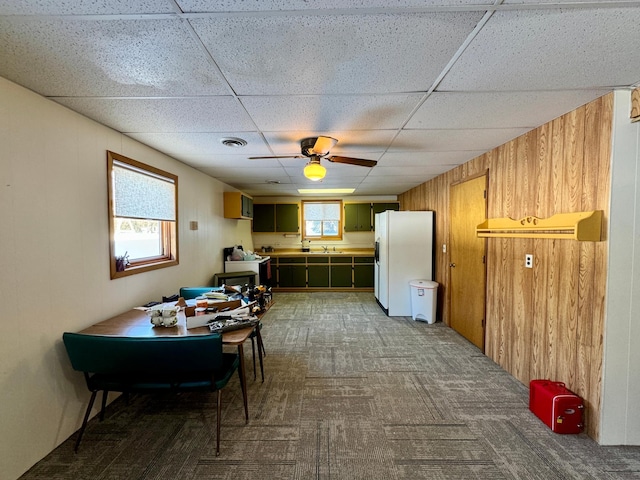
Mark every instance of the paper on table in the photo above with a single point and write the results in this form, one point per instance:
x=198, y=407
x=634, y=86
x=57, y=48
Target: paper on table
x=203, y=320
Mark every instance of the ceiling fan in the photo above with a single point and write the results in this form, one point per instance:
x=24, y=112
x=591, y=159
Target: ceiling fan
x=316, y=148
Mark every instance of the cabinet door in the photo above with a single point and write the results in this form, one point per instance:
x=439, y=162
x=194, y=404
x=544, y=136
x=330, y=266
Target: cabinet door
x=292, y=276
x=363, y=276
x=264, y=219
x=318, y=275
x=247, y=207
x=357, y=217
x=341, y=276
x=287, y=217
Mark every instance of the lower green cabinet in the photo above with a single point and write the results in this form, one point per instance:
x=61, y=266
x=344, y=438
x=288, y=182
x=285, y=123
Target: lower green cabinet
x=318, y=275
x=292, y=276
x=363, y=276
x=341, y=276
x=325, y=271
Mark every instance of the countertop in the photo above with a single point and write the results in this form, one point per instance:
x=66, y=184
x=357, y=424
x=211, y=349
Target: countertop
x=360, y=252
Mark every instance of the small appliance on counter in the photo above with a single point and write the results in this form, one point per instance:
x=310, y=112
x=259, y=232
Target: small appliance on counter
x=306, y=245
x=261, y=266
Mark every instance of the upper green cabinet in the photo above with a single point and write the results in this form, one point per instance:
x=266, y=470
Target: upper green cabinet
x=382, y=207
x=237, y=205
x=357, y=217
x=287, y=217
x=279, y=217
x=264, y=218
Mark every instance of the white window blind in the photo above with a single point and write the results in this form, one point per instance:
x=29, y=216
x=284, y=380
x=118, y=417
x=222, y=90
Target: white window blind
x=143, y=195
x=322, y=211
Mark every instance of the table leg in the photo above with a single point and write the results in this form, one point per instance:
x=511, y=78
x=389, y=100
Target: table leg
x=243, y=380
x=260, y=351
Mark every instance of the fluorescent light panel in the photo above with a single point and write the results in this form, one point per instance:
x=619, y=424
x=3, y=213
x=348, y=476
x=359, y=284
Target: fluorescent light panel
x=326, y=190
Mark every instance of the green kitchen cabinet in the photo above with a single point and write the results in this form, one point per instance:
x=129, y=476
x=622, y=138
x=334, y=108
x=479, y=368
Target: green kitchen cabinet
x=287, y=220
x=264, y=217
x=382, y=207
x=318, y=275
x=341, y=276
x=363, y=274
x=292, y=276
x=278, y=217
x=357, y=217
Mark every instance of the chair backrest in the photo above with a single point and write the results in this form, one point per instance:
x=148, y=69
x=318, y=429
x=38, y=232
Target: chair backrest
x=131, y=355
x=189, y=293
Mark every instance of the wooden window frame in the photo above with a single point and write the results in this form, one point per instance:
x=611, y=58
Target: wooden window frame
x=169, y=229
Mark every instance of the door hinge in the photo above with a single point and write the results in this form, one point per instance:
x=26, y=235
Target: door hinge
x=484, y=194
x=483, y=322
x=484, y=259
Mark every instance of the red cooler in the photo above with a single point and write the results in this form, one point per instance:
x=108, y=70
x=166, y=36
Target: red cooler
x=557, y=406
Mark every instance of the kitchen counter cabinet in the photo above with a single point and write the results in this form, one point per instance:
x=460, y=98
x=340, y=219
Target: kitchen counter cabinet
x=301, y=271
x=318, y=275
x=363, y=273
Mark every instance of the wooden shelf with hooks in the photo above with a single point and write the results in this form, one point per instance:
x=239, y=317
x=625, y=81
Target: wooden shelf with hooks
x=583, y=226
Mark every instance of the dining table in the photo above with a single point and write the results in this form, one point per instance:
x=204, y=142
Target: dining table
x=136, y=323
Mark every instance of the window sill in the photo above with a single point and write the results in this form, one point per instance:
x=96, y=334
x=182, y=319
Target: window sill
x=133, y=270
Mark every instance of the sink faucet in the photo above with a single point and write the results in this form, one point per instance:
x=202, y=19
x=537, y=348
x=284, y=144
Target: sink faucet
x=325, y=248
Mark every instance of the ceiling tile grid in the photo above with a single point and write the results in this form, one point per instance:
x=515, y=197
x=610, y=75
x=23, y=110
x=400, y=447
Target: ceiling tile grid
x=420, y=86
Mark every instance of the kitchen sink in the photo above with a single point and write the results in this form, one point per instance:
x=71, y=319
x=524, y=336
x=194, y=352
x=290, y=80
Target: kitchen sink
x=330, y=252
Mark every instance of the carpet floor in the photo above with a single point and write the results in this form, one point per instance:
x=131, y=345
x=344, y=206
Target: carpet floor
x=349, y=393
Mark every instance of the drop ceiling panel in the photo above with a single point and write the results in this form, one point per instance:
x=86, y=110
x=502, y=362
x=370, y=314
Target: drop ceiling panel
x=498, y=109
x=409, y=173
x=331, y=112
x=84, y=7
x=551, y=50
x=456, y=140
x=271, y=55
x=177, y=144
x=288, y=5
x=159, y=115
x=67, y=57
x=425, y=159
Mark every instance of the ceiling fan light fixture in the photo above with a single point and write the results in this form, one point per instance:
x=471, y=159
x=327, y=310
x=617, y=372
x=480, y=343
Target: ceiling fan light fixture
x=314, y=171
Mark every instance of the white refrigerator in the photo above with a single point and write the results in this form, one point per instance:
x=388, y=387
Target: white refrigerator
x=403, y=252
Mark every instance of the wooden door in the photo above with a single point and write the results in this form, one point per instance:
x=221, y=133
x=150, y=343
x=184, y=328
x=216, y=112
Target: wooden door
x=468, y=207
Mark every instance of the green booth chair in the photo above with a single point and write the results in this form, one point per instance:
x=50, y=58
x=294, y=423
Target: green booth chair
x=147, y=365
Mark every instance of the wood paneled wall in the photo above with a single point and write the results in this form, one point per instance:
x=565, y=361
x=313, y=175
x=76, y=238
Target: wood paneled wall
x=545, y=322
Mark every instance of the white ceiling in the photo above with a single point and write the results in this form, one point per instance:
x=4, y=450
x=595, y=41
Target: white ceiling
x=418, y=85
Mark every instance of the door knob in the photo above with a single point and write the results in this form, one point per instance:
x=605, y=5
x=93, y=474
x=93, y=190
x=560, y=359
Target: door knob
x=452, y=265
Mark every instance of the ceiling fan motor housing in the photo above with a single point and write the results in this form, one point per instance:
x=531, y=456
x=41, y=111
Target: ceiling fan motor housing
x=307, y=144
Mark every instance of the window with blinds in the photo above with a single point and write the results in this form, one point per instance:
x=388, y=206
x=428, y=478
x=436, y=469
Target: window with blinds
x=143, y=206
x=322, y=219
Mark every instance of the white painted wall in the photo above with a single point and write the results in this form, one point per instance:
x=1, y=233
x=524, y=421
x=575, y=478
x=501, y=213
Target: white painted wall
x=54, y=260
x=620, y=419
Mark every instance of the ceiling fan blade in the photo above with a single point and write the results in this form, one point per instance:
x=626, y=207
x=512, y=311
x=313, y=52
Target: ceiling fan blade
x=280, y=156
x=323, y=145
x=353, y=161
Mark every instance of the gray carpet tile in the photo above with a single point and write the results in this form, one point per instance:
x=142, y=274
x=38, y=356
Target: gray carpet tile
x=349, y=393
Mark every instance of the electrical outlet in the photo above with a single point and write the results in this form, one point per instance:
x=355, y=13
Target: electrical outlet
x=528, y=260
x=444, y=248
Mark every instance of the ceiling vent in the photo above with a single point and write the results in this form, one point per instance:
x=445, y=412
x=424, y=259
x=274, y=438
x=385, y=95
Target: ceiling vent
x=233, y=142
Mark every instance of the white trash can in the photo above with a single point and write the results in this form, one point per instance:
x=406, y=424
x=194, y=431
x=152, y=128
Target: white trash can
x=424, y=299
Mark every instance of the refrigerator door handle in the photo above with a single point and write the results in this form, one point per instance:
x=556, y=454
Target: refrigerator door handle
x=376, y=252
